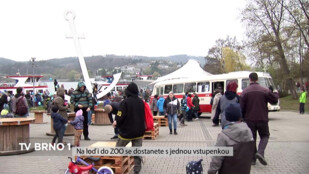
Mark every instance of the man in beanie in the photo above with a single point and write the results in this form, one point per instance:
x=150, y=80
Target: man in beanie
x=82, y=99
x=130, y=120
x=238, y=135
x=254, y=108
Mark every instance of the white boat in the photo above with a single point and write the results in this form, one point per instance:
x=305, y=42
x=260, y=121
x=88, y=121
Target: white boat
x=28, y=83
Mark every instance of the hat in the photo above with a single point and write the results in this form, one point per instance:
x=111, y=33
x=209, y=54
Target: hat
x=132, y=90
x=79, y=113
x=233, y=112
x=171, y=92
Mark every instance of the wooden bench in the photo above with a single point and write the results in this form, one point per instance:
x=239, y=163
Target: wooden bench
x=152, y=134
x=119, y=164
x=12, y=132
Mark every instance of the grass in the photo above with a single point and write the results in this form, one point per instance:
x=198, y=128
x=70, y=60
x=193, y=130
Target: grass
x=36, y=108
x=288, y=103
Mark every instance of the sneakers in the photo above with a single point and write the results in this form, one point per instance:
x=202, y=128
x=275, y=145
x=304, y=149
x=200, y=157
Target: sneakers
x=261, y=159
x=87, y=138
x=196, y=119
x=114, y=137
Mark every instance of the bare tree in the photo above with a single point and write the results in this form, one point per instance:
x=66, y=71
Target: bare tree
x=265, y=19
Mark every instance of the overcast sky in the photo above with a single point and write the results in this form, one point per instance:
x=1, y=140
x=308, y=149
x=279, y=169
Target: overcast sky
x=37, y=28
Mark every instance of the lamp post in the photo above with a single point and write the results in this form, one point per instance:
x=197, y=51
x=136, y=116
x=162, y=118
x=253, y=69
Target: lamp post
x=33, y=60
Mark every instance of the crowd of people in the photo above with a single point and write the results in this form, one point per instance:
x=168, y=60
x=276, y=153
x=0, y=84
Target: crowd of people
x=240, y=117
x=171, y=108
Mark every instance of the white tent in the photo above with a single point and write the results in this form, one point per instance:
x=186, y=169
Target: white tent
x=190, y=70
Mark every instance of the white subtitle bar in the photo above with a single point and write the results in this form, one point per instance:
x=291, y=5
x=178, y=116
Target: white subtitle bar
x=147, y=151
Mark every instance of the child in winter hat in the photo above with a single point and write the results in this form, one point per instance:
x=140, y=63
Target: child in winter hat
x=78, y=124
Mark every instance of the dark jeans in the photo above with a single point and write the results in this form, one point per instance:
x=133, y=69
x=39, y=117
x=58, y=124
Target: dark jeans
x=116, y=131
x=262, y=128
x=195, y=113
x=189, y=115
x=59, y=134
x=302, y=108
x=137, y=159
x=85, y=123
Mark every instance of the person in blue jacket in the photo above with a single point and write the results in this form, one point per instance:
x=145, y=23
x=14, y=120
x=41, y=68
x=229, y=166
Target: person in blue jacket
x=58, y=124
x=160, y=105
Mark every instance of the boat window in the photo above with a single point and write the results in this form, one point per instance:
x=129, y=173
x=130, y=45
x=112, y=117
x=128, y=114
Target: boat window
x=203, y=87
x=178, y=88
x=119, y=88
x=190, y=87
x=167, y=89
x=244, y=83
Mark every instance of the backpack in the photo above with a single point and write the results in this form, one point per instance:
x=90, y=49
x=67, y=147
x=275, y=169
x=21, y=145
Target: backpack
x=21, y=107
x=148, y=117
x=194, y=167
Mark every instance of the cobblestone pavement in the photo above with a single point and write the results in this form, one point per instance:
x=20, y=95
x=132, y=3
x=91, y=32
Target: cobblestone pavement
x=287, y=151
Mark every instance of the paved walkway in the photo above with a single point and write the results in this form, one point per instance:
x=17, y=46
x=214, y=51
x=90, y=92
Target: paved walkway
x=287, y=151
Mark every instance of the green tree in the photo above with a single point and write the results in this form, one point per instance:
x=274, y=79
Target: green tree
x=72, y=75
x=215, y=62
x=234, y=61
x=155, y=75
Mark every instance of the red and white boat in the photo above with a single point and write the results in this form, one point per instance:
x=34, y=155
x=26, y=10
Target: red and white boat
x=28, y=83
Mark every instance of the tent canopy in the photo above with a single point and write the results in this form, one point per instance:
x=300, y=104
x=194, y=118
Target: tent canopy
x=190, y=70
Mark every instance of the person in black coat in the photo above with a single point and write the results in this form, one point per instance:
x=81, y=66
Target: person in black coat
x=130, y=120
x=3, y=100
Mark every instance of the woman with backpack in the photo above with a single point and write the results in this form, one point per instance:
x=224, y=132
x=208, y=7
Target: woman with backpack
x=230, y=96
x=19, y=104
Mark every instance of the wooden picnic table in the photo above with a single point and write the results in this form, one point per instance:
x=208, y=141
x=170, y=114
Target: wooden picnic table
x=12, y=132
x=38, y=115
x=101, y=117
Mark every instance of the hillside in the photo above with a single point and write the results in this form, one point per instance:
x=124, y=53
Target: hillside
x=68, y=68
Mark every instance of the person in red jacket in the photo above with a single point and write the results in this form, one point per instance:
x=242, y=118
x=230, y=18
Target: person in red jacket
x=190, y=106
